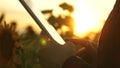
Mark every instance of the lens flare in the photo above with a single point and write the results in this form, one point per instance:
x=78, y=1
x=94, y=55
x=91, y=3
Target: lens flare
x=43, y=41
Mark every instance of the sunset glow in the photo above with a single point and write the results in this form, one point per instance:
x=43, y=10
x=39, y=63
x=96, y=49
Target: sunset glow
x=84, y=20
x=88, y=19
x=89, y=15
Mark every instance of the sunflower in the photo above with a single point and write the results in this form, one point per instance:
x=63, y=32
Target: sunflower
x=8, y=45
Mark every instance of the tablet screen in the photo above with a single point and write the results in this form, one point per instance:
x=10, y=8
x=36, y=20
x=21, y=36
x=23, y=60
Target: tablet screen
x=34, y=10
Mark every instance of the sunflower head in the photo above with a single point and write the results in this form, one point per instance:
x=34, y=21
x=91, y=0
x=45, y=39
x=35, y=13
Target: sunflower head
x=8, y=38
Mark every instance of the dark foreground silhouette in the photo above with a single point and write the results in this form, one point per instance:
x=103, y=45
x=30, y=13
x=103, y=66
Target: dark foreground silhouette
x=85, y=56
x=109, y=43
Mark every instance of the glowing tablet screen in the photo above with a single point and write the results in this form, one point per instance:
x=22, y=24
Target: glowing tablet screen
x=34, y=10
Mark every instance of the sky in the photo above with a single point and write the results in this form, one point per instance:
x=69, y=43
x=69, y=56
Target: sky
x=96, y=11
x=15, y=11
x=90, y=15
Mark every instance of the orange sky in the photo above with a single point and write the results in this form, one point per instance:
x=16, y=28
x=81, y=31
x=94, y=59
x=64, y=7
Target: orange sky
x=99, y=8
x=90, y=15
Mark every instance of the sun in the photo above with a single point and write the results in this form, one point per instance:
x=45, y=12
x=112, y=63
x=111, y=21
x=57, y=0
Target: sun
x=85, y=20
x=90, y=16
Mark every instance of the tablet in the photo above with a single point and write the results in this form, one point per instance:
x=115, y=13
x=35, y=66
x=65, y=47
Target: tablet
x=39, y=18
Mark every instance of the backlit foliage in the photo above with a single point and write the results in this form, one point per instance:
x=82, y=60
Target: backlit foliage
x=8, y=45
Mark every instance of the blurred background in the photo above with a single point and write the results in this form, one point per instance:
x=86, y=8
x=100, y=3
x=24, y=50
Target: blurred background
x=74, y=20
x=83, y=17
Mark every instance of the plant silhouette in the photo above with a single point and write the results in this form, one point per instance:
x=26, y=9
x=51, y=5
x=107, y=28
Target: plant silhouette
x=8, y=45
x=58, y=22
